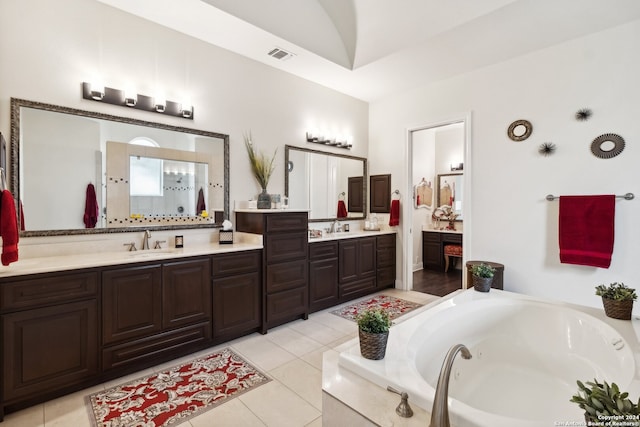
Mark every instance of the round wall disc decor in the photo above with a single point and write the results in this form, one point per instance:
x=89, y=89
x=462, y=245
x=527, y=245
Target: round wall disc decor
x=607, y=145
x=520, y=130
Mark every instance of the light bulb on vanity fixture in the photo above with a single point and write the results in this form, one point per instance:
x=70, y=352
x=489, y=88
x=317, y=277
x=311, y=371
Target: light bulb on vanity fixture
x=96, y=91
x=160, y=104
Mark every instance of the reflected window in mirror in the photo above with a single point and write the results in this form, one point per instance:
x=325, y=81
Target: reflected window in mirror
x=450, y=192
x=57, y=151
x=317, y=181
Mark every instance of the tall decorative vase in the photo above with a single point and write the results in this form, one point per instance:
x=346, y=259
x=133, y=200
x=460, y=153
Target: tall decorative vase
x=264, y=200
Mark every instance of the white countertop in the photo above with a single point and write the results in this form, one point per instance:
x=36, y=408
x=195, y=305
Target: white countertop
x=349, y=235
x=100, y=259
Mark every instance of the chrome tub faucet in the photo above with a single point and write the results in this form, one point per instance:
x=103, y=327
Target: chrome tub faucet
x=440, y=410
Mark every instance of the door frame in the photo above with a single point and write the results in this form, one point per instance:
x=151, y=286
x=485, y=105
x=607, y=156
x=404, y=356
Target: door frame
x=407, y=215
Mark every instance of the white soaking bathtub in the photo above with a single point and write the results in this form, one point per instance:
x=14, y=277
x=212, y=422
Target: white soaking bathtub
x=527, y=354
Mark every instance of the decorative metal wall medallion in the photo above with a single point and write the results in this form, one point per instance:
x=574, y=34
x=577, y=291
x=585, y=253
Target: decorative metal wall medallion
x=607, y=145
x=520, y=130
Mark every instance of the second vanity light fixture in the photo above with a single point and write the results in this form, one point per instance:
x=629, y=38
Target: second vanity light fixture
x=140, y=102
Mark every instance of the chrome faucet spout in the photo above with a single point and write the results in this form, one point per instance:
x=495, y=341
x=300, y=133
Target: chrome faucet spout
x=145, y=239
x=440, y=410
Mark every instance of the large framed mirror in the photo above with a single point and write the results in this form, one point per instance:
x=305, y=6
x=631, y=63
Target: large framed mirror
x=322, y=182
x=140, y=174
x=450, y=192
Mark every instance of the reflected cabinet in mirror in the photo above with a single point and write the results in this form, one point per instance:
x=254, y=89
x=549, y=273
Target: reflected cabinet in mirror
x=450, y=192
x=68, y=165
x=329, y=185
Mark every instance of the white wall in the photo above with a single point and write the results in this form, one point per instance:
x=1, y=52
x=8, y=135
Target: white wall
x=424, y=148
x=49, y=48
x=512, y=222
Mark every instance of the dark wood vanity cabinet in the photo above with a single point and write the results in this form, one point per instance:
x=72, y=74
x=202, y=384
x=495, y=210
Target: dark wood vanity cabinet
x=323, y=275
x=285, y=263
x=386, y=259
x=433, y=243
x=152, y=311
x=237, y=294
x=357, y=267
x=50, y=335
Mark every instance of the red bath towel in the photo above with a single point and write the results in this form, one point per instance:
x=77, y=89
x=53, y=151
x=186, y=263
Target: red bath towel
x=586, y=230
x=8, y=228
x=342, y=209
x=200, y=205
x=91, y=210
x=394, y=217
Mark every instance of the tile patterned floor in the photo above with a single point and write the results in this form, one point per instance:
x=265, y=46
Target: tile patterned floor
x=291, y=354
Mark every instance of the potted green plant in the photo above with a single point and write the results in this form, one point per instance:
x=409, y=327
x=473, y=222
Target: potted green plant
x=482, y=276
x=262, y=169
x=603, y=400
x=617, y=299
x=373, y=331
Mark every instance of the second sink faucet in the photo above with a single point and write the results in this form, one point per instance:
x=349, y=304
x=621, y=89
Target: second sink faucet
x=145, y=239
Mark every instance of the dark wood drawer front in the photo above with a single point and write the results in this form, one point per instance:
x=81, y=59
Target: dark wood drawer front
x=452, y=238
x=430, y=237
x=277, y=223
x=46, y=290
x=387, y=241
x=236, y=263
x=154, y=347
x=49, y=348
x=386, y=257
x=286, y=275
x=323, y=250
x=286, y=246
x=386, y=277
x=360, y=287
x=287, y=304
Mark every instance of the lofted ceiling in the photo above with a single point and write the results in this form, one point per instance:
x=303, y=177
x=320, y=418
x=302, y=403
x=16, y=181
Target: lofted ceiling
x=371, y=48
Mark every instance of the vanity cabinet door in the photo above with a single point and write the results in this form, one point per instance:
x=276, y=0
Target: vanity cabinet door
x=50, y=348
x=131, y=303
x=186, y=292
x=323, y=284
x=432, y=258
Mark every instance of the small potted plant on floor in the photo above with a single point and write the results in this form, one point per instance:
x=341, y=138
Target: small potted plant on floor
x=617, y=299
x=600, y=400
x=373, y=331
x=482, y=276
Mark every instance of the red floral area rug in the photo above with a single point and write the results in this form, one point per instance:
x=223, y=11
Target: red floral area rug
x=395, y=307
x=177, y=394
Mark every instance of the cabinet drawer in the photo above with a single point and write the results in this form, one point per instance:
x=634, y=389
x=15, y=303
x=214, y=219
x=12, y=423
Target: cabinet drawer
x=160, y=346
x=286, y=275
x=48, y=289
x=323, y=250
x=286, y=246
x=386, y=257
x=452, y=238
x=287, y=304
x=386, y=241
x=236, y=263
x=287, y=222
x=429, y=236
x=386, y=277
x=358, y=288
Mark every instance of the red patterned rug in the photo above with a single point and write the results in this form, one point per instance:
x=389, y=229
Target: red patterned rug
x=177, y=394
x=395, y=307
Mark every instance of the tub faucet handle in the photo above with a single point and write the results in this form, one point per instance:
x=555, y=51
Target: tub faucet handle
x=403, y=409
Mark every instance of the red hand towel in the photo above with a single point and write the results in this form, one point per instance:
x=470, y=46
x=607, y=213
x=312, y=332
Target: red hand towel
x=342, y=209
x=8, y=228
x=200, y=205
x=91, y=210
x=394, y=217
x=586, y=230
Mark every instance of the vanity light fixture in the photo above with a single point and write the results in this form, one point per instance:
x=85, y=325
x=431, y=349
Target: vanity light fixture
x=140, y=102
x=326, y=139
x=457, y=167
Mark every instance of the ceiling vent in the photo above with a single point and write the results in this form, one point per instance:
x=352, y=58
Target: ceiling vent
x=281, y=54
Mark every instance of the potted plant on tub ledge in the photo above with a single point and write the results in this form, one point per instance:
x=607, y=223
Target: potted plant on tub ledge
x=617, y=299
x=482, y=277
x=373, y=331
x=604, y=402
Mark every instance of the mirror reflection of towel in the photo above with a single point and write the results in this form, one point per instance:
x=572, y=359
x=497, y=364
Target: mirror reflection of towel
x=91, y=211
x=201, y=205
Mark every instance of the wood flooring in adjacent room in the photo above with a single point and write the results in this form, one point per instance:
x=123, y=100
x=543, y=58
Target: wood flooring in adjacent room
x=437, y=283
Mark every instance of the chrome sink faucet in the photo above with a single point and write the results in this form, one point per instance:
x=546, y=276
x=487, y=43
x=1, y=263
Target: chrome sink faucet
x=440, y=410
x=336, y=227
x=145, y=239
